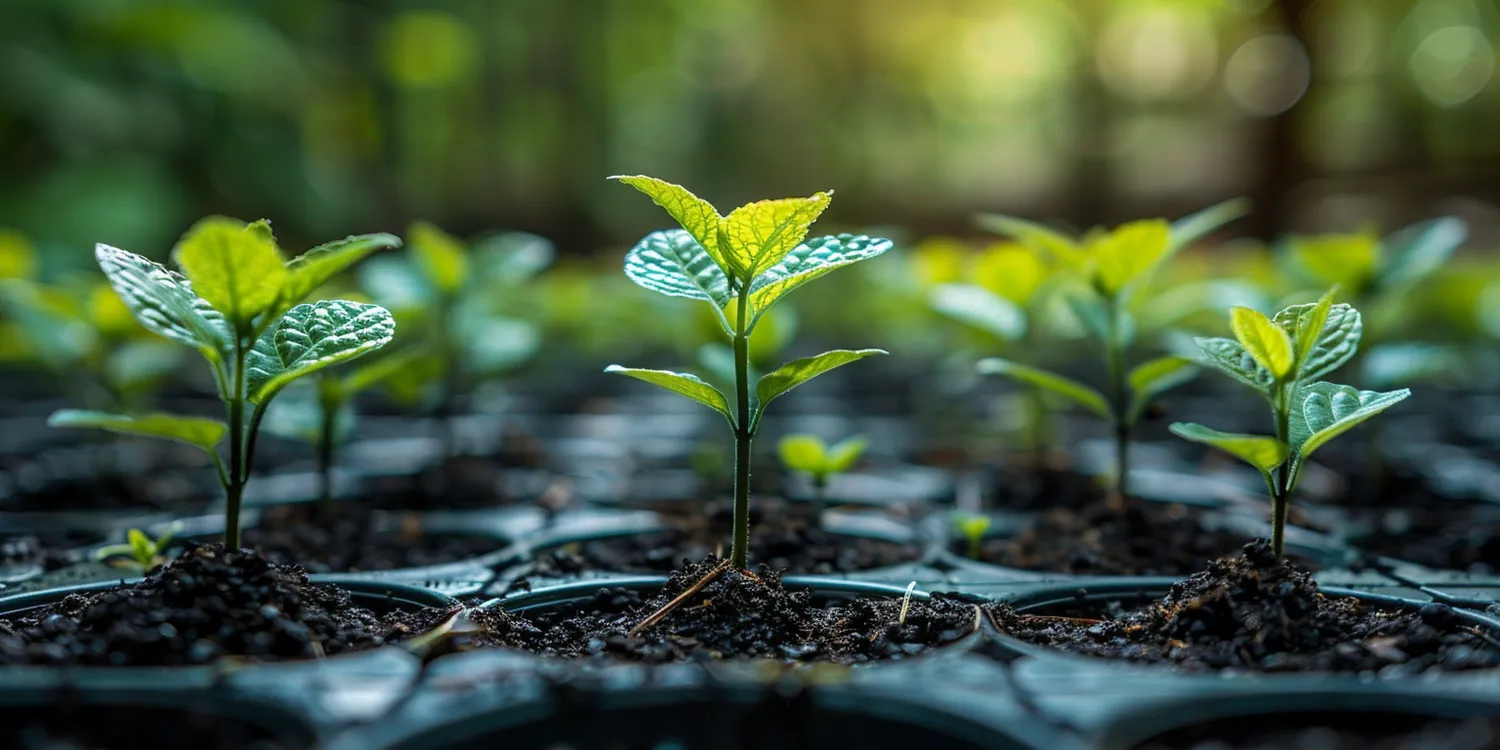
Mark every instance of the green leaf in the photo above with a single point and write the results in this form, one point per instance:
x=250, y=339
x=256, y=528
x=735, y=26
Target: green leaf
x=495, y=344
x=1194, y=227
x=1151, y=379
x=1129, y=253
x=1261, y=451
x=140, y=546
x=512, y=258
x=441, y=257
x=1227, y=356
x=312, y=337
x=204, y=433
x=979, y=307
x=164, y=301
x=1418, y=250
x=1265, y=341
x=1043, y=238
x=843, y=455
x=1091, y=311
x=688, y=385
x=362, y=378
x=799, y=371
x=1335, y=341
x=312, y=269
x=1071, y=389
x=671, y=262
x=1345, y=260
x=757, y=236
x=1328, y=410
x=695, y=215
x=804, y=453
x=808, y=261
x=235, y=267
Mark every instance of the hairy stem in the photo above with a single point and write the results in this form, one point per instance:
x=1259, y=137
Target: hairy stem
x=739, y=555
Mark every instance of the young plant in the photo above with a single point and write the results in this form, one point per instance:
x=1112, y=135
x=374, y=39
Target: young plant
x=973, y=527
x=237, y=305
x=744, y=262
x=810, y=455
x=1282, y=358
x=140, y=551
x=1113, y=267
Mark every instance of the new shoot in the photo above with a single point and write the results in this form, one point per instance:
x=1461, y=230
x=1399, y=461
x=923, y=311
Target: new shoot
x=810, y=455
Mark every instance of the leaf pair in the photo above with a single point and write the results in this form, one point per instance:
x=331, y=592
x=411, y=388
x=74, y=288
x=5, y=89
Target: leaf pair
x=767, y=389
x=1302, y=343
x=1364, y=263
x=1146, y=381
x=813, y=456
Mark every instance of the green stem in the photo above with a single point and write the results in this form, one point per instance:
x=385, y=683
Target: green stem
x=1119, y=401
x=326, y=446
x=820, y=498
x=743, y=435
x=235, y=488
x=1281, y=488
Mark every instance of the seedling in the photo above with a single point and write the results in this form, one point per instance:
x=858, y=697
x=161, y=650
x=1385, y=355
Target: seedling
x=238, y=306
x=1113, y=267
x=744, y=262
x=139, y=551
x=973, y=527
x=1282, y=358
x=809, y=455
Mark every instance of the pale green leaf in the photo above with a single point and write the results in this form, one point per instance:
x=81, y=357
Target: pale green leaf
x=804, y=453
x=799, y=371
x=312, y=269
x=1418, y=250
x=312, y=337
x=1261, y=451
x=671, y=262
x=164, y=301
x=1129, y=253
x=235, y=267
x=512, y=258
x=1322, y=411
x=686, y=384
x=1346, y=260
x=204, y=433
x=1155, y=377
x=495, y=344
x=1336, y=340
x=441, y=257
x=757, y=236
x=844, y=454
x=1266, y=342
x=980, y=308
x=1068, y=388
x=1091, y=311
x=386, y=366
x=695, y=215
x=1194, y=227
x=808, y=261
x=1230, y=358
x=1049, y=241
x=140, y=545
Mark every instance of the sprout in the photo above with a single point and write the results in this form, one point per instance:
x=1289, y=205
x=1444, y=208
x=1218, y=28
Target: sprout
x=744, y=262
x=1282, y=358
x=238, y=306
x=139, y=551
x=973, y=527
x=809, y=455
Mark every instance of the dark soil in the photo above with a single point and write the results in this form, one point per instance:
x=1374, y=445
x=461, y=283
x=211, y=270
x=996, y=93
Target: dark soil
x=737, y=615
x=1335, y=731
x=167, y=490
x=66, y=725
x=783, y=540
x=102, y=476
x=203, y=606
x=350, y=536
x=1141, y=538
x=50, y=550
x=1027, y=486
x=1442, y=534
x=460, y=483
x=1254, y=612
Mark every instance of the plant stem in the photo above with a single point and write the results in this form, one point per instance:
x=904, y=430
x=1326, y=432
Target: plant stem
x=820, y=498
x=1118, y=395
x=1281, y=489
x=739, y=555
x=329, y=404
x=234, y=490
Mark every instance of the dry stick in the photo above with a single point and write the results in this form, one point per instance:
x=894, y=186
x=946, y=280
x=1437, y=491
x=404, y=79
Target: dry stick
x=661, y=614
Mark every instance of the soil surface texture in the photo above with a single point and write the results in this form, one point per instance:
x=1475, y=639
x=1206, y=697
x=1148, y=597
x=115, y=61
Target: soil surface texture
x=203, y=606
x=70, y=726
x=1255, y=612
x=1140, y=538
x=50, y=550
x=1032, y=484
x=1335, y=731
x=349, y=536
x=1443, y=534
x=736, y=615
x=784, y=538
x=459, y=483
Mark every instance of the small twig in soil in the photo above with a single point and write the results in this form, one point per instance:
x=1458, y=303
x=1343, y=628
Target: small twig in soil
x=662, y=613
x=978, y=618
x=1483, y=636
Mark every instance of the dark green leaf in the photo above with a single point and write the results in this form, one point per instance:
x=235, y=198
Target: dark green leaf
x=799, y=371
x=164, y=301
x=312, y=337
x=686, y=384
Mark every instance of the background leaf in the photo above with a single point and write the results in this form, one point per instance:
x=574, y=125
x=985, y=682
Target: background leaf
x=688, y=385
x=164, y=301
x=1414, y=252
x=440, y=256
x=843, y=455
x=809, y=261
x=1068, y=388
x=799, y=371
x=312, y=337
x=1261, y=451
x=204, y=433
x=1130, y=252
x=1049, y=241
x=760, y=234
x=1151, y=379
x=236, y=268
x=804, y=453
x=980, y=308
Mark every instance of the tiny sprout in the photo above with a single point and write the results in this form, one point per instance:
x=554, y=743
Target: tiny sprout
x=741, y=265
x=973, y=527
x=139, y=551
x=237, y=305
x=808, y=454
x=906, y=603
x=1282, y=358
